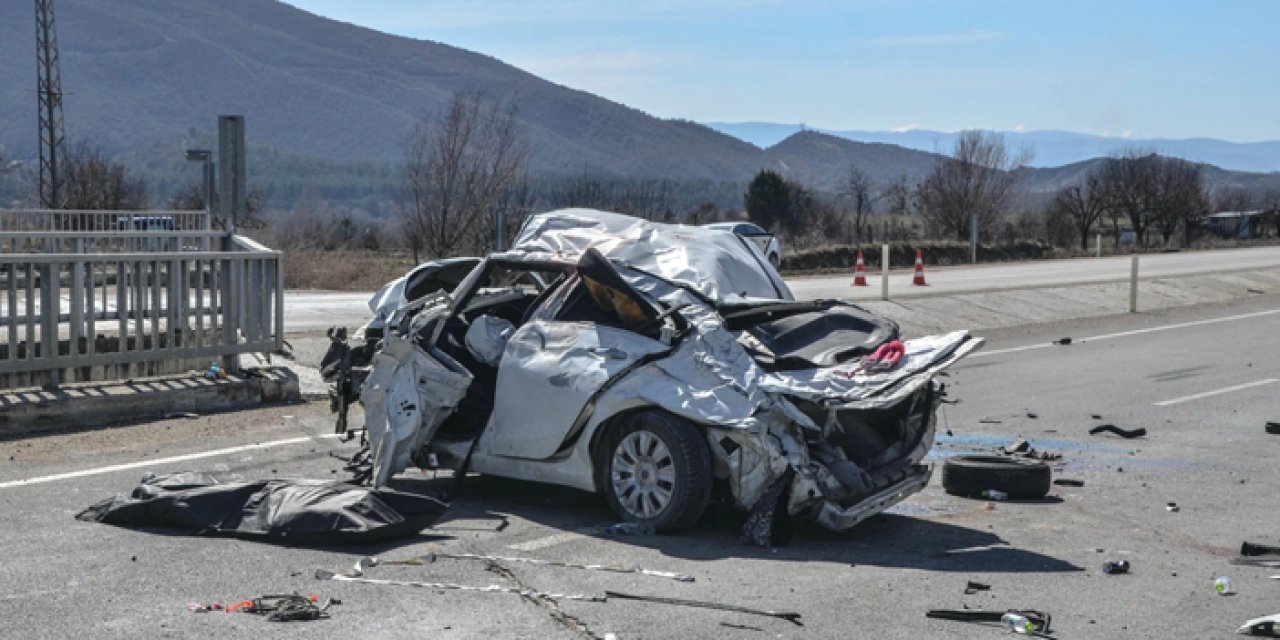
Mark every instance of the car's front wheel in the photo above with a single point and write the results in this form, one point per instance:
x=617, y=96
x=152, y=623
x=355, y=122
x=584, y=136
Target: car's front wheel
x=656, y=471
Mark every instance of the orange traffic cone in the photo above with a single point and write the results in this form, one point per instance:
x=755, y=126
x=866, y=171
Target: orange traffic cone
x=919, y=279
x=859, y=272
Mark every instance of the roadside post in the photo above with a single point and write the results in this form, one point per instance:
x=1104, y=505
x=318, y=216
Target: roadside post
x=884, y=272
x=1097, y=245
x=1133, y=286
x=973, y=238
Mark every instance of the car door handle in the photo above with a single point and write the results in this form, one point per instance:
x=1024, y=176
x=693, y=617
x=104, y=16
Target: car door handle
x=609, y=352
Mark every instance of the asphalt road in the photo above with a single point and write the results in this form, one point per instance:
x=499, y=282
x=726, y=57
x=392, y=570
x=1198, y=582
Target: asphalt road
x=1203, y=381
x=316, y=310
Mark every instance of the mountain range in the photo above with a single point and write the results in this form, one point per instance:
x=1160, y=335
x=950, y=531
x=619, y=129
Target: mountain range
x=1051, y=148
x=150, y=77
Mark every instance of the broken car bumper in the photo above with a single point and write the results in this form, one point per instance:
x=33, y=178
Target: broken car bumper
x=835, y=518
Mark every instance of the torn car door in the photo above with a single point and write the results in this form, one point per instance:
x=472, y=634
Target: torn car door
x=408, y=393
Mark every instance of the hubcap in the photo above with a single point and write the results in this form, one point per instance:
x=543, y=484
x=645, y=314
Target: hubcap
x=643, y=474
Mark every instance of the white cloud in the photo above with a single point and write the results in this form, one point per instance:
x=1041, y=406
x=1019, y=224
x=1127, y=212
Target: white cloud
x=1125, y=133
x=1020, y=127
x=905, y=128
x=939, y=39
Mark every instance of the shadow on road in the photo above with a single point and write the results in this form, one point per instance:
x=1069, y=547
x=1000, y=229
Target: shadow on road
x=887, y=540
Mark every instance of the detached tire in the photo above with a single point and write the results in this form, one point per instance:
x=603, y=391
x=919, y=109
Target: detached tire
x=969, y=476
x=655, y=469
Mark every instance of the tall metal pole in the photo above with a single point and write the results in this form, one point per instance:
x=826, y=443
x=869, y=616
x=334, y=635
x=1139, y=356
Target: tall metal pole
x=49, y=97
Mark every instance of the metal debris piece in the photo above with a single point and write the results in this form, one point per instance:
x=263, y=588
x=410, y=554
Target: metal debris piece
x=1023, y=449
x=1264, y=627
x=1066, y=341
x=431, y=557
x=1172, y=507
x=1255, y=549
x=1115, y=567
x=1273, y=428
x=972, y=587
x=1040, y=619
x=1069, y=482
x=990, y=421
x=746, y=627
x=1123, y=433
x=322, y=574
x=789, y=616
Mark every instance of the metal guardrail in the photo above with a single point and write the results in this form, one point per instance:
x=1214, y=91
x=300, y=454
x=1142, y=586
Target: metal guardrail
x=92, y=305
x=79, y=220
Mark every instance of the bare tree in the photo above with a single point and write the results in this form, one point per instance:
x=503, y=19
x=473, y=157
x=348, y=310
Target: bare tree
x=1083, y=204
x=979, y=178
x=91, y=181
x=1130, y=184
x=1181, y=202
x=1269, y=203
x=458, y=169
x=898, y=195
x=1232, y=198
x=858, y=189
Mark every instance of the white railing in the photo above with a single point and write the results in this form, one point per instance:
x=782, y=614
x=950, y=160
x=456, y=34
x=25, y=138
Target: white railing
x=77, y=220
x=94, y=305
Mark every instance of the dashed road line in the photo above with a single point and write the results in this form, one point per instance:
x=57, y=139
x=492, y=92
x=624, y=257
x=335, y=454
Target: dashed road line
x=1216, y=392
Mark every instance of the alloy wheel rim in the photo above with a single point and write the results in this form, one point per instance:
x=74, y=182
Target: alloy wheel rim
x=643, y=474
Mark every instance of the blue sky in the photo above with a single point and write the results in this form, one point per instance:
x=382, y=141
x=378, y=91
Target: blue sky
x=1162, y=69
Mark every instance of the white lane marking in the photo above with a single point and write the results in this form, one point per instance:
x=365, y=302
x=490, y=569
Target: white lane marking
x=1135, y=332
x=160, y=461
x=1215, y=392
x=547, y=541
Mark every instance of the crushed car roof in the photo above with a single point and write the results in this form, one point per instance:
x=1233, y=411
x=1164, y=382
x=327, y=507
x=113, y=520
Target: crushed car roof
x=718, y=265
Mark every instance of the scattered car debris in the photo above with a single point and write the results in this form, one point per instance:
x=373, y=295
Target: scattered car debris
x=1273, y=428
x=1095, y=416
x=1039, y=620
x=1256, y=549
x=432, y=556
x=1172, y=507
x=1224, y=586
x=322, y=574
x=995, y=494
x=1255, y=290
x=990, y=421
x=789, y=616
x=286, y=607
x=1255, y=562
x=1023, y=449
x=1069, y=482
x=971, y=476
x=1264, y=627
x=744, y=627
x=1123, y=433
x=972, y=587
x=304, y=512
x=1115, y=567
x=1065, y=341
x=629, y=529
x=1031, y=415
x=197, y=607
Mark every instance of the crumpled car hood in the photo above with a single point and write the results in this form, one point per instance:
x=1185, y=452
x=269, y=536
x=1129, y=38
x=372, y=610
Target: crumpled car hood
x=717, y=264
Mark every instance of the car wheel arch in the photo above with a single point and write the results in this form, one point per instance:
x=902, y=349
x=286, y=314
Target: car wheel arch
x=599, y=435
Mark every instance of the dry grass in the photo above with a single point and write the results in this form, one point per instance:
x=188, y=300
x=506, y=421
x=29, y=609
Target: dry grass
x=344, y=270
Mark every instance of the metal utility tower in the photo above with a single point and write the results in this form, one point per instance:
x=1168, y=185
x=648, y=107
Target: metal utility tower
x=49, y=94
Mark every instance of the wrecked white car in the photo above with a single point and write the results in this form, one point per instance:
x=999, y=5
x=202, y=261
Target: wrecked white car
x=650, y=363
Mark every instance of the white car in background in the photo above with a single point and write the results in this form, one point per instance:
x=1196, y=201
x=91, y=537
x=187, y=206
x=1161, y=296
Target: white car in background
x=766, y=241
